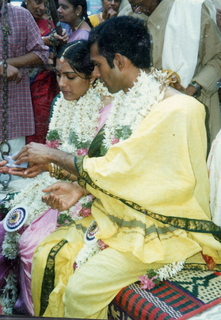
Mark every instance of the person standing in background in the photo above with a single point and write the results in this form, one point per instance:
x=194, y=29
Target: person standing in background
x=110, y=9
x=217, y=4
x=25, y=48
x=74, y=13
x=43, y=81
x=171, y=24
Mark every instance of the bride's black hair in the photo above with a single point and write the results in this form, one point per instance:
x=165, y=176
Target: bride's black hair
x=77, y=54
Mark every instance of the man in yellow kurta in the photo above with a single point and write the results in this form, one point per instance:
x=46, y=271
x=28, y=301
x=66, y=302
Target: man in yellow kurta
x=151, y=189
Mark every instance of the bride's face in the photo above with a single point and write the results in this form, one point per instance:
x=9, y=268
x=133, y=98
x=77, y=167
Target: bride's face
x=73, y=85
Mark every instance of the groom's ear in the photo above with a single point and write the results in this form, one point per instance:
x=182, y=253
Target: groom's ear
x=120, y=61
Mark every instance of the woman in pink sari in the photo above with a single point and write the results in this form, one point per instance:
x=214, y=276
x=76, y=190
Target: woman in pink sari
x=78, y=114
x=74, y=13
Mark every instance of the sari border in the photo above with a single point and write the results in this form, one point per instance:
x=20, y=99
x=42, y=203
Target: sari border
x=191, y=225
x=49, y=276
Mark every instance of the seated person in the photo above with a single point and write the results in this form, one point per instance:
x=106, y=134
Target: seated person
x=80, y=106
x=150, y=186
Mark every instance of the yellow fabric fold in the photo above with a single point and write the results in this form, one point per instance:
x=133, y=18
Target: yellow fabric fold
x=64, y=266
x=162, y=168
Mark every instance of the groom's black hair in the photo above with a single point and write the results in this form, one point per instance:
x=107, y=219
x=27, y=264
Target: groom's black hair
x=125, y=35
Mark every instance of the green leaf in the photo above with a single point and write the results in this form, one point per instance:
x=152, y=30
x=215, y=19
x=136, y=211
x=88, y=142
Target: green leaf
x=63, y=218
x=151, y=273
x=88, y=204
x=52, y=135
x=73, y=139
x=124, y=132
x=103, y=150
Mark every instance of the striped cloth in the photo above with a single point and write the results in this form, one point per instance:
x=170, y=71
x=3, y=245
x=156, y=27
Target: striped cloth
x=185, y=295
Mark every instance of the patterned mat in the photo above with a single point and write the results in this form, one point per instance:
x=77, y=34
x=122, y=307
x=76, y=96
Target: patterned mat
x=188, y=293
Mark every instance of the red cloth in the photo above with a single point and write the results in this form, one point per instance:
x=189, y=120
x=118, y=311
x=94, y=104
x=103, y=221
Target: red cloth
x=43, y=90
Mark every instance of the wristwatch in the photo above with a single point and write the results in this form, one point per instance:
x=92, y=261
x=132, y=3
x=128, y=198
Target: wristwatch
x=197, y=87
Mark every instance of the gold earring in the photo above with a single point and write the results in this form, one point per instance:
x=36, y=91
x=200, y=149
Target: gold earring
x=91, y=84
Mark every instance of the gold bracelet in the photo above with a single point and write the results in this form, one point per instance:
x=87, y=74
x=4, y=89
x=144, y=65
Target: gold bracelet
x=60, y=173
x=51, y=168
x=54, y=170
x=67, y=176
x=57, y=172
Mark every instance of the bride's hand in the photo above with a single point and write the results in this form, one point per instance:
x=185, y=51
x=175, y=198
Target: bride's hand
x=63, y=195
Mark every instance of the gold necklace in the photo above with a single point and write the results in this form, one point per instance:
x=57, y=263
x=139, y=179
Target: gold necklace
x=78, y=26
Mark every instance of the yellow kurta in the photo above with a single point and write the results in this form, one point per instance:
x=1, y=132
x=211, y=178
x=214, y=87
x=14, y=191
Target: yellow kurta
x=161, y=168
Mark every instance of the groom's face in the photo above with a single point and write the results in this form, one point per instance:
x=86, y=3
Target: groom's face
x=111, y=77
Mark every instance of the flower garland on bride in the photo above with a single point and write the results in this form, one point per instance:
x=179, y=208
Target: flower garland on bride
x=72, y=128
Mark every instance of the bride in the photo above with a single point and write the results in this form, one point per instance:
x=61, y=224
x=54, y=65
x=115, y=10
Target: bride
x=76, y=113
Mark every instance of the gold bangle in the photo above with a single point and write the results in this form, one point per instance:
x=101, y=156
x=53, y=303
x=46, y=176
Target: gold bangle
x=60, y=173
x=51, y=168
x=57, y=172
x=67, y=176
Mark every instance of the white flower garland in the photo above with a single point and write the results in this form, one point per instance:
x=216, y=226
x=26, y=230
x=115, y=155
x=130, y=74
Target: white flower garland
x=9, y=246
x=153, y=277
x=82, y=115
x=170, y=270
x=86, y=252
x=149, y=90
x=9, y=294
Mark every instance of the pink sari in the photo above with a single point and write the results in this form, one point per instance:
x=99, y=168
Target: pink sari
x=32, y=236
